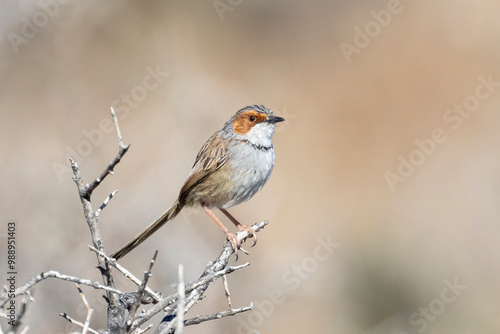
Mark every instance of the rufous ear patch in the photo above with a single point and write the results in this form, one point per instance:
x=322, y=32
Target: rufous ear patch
x=244, y=122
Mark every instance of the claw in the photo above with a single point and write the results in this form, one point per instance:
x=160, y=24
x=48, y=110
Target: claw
x=250, y=231
x=244, y=251
x=233, y=240
x=240, y=226
x=254, y=239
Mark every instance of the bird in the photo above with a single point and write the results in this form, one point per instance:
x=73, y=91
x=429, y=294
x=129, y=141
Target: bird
x=231, y=167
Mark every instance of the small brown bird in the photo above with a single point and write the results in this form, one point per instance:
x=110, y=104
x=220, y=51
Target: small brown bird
x=230, y=168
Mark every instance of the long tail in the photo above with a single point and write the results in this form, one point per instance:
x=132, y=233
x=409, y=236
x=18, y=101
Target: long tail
x=152, y=228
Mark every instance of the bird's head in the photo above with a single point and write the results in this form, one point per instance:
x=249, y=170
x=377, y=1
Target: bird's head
x=256, y=123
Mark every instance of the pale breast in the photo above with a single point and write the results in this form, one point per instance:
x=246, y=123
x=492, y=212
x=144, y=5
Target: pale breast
x=251, y=167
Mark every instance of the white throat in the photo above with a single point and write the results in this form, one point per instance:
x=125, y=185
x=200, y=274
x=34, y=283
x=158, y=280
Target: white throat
x=261, y=135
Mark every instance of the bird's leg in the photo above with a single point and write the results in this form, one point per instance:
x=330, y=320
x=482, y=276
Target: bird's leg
x=240, y=226
x=230, y=236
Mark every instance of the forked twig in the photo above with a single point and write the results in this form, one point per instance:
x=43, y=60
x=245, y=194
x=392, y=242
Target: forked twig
x=126, y=273
x=122, y=149
x=142, y=287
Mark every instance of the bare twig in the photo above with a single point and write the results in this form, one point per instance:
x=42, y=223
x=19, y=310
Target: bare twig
x=147, y=275
x=118, y=132
x=106, y=201
x=89, y=310
x=126, y=273
x=122, y=149
x=4, y=298
x=226, y=291
x=77, y=323
x=213, y=276
x=182, y=301
x=142, y=287
x=140, y=331
x=199, y=319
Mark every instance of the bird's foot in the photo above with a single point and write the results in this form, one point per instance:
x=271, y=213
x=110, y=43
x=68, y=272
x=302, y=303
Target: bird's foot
x=233, y=240
x=250, y=231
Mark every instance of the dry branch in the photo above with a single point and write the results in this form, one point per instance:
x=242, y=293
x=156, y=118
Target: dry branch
x=140, y=291
x=116, y=312
x=127, y=274
x=196, y=289
x=23, y=290
x=122, y=149
x=199, y=319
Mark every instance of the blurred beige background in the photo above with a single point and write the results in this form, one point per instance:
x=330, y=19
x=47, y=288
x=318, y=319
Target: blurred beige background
x=360, y=84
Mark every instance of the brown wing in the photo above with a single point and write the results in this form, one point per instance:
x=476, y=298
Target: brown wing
x=212, y=156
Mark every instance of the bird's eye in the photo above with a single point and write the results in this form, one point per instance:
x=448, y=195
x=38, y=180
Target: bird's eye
x=252, y=118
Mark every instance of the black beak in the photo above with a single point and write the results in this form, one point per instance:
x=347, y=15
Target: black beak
x=274, y=119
